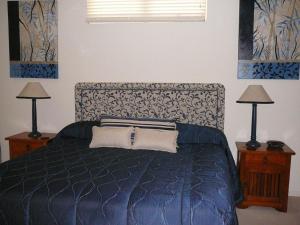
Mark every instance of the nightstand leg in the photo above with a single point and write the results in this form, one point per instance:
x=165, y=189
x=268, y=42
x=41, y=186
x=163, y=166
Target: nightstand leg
x=282, y=209
x=242, y=206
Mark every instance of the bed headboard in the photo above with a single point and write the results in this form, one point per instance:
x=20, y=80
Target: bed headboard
x=196, y=103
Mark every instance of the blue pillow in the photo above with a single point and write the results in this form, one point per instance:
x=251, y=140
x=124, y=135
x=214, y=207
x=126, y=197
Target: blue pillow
x=196, y=134
x=81, y=129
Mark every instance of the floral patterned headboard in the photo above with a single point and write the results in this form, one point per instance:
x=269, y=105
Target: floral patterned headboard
x=196, y=103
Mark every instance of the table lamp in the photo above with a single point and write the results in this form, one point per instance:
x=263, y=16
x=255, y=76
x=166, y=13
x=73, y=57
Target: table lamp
x=34, y=91
x=254, y=94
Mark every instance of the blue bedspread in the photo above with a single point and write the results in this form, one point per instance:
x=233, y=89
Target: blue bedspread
x=67, y=183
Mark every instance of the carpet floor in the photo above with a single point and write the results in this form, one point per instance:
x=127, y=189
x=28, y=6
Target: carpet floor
x=255, y=215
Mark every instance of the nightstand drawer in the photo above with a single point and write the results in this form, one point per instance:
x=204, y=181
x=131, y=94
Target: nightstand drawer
x=20, y=148
x=24, y=146
x=266, y=159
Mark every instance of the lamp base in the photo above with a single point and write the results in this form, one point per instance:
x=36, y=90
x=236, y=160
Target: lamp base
x=35, y=134
x=253, y=145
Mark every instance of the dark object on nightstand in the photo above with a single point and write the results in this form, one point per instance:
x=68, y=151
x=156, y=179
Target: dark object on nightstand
x=275, y=145
x=21, y=144
x=264, y=176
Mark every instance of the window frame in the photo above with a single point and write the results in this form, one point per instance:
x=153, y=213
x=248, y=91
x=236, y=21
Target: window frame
x=98, y=17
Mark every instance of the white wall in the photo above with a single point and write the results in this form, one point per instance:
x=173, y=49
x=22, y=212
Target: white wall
x=150, y=52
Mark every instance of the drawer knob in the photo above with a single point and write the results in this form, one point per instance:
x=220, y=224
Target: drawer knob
x=265, y=160
x=28, y=147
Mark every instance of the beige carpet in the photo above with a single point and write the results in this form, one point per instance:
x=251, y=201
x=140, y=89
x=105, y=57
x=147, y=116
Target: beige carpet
x=255, y=215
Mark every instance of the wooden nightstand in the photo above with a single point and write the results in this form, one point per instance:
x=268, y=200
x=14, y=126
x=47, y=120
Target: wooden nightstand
x=264, y=176
x=20, y=144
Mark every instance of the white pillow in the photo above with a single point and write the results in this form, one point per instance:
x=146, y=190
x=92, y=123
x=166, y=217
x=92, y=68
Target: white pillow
x=119, y=137
x=155, y=139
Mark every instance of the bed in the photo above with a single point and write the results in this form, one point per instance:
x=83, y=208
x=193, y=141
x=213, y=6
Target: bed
x=69, y=183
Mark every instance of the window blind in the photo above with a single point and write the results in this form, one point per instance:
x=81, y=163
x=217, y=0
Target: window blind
x=145, y=10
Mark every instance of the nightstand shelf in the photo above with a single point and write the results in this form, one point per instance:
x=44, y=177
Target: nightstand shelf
x=20, y=144
x=264, y=176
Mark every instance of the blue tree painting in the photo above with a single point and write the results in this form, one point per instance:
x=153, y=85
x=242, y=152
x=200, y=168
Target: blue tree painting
x=33, y=38
x=269, y=39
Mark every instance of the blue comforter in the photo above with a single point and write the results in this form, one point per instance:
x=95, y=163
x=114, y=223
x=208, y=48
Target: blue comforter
x=67, y=183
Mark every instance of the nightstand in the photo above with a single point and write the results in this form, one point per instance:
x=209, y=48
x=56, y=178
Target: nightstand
x=264, y=175
x=20, y=144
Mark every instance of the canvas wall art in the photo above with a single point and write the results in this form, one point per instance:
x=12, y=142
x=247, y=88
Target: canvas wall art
x=33, y=38
x=269, y=39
